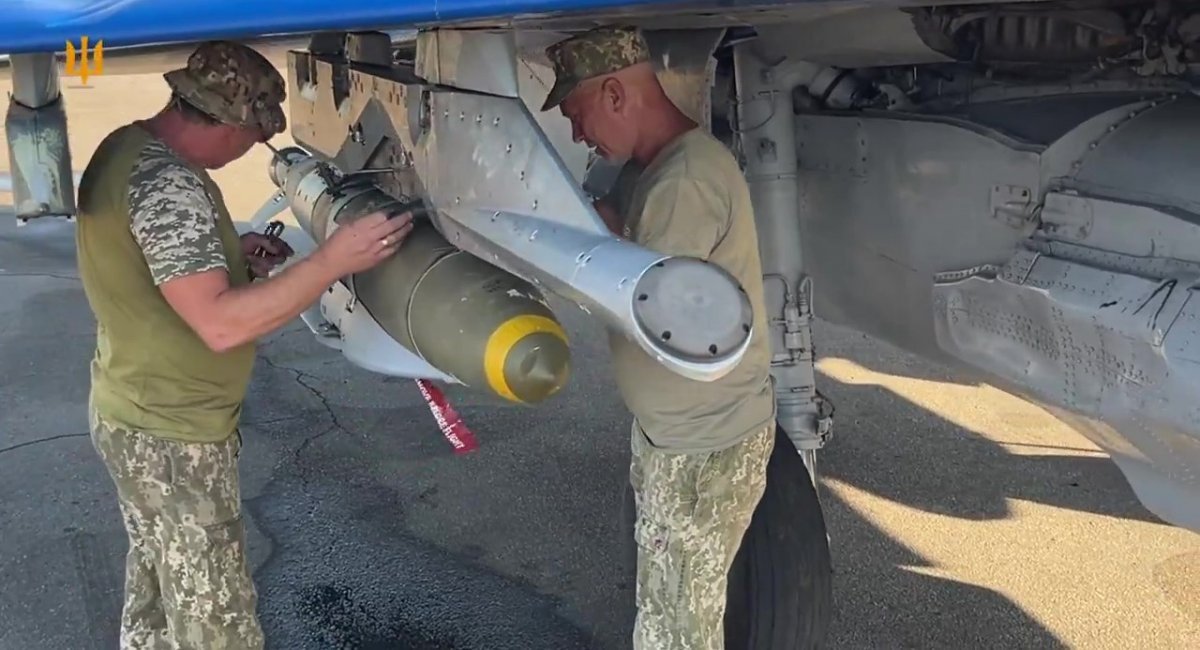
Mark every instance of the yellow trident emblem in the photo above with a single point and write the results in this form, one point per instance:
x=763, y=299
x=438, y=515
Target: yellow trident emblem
x=78, y=65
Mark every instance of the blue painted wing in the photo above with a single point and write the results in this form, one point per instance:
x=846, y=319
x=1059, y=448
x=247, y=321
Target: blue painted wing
x=47, y=25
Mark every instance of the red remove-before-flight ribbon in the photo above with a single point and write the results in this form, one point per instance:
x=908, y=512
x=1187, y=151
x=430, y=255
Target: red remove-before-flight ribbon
x=448, y=420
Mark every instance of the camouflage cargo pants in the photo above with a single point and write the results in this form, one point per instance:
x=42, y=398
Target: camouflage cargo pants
x=693, y=510
x=186, y=579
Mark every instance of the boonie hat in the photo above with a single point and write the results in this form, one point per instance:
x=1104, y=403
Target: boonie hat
x=234, y=84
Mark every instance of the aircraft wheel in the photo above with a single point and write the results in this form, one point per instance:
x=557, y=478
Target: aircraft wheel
x=780, y=594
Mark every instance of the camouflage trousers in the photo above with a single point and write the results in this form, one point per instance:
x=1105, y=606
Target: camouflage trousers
x=693, y=510
x=186, y=580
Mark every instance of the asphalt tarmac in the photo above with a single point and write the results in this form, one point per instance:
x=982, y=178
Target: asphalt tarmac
x=959, y=515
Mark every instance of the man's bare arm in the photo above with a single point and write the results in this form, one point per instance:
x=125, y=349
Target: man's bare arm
x=616, y=200
x=226, y=317
x=610, y=217
x=175, y=223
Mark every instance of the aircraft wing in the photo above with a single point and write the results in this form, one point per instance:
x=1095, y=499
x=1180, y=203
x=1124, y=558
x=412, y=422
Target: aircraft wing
x=46, y=25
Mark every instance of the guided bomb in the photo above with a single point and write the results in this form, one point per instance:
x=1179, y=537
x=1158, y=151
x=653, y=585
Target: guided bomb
x=463, y=316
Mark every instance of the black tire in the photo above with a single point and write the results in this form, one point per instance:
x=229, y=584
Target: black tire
x=780, y=594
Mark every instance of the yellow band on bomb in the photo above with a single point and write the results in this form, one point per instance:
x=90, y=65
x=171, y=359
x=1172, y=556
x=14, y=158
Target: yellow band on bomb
x=504, y=339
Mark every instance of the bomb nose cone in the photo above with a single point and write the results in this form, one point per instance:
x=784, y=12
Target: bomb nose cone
x=538, y=366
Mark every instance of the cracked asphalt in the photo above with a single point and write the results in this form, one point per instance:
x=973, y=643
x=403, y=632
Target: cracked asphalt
x=959, y=516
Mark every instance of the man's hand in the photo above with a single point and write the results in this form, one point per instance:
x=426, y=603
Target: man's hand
x=363, y=243
x=275, y=252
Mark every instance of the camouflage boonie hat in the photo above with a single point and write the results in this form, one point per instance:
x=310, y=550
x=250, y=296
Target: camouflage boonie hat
x=596, y=52
x=234, y=84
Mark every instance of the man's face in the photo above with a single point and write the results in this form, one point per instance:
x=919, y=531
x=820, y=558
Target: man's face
x=232, y=142
x=598, y=115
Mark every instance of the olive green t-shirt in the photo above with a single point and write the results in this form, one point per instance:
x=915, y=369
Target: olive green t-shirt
x=146, y=217
x=692, y=200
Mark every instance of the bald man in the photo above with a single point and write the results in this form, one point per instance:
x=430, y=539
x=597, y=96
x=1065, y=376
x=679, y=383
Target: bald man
x=699, y=449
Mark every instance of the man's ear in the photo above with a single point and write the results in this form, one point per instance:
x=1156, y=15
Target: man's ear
x=613, y=94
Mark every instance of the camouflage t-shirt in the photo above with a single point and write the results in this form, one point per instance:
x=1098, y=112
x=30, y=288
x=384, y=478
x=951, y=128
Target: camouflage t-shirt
x=171, y=216
x=146, y=217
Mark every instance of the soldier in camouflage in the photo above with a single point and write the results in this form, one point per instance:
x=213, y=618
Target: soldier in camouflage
x=172, y=286
x=699, y=449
